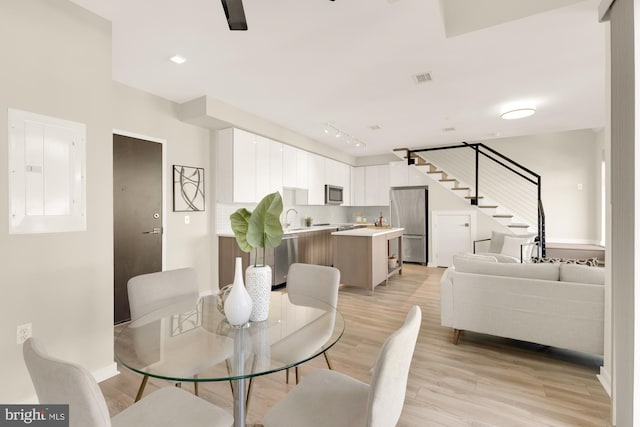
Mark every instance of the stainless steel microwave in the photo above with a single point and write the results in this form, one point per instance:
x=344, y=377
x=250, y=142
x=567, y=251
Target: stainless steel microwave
x=333, y=195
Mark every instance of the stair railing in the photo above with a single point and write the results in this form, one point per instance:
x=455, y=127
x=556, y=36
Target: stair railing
x=507, y=163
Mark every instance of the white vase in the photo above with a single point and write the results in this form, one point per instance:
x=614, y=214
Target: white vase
x=259, y=288
x=237, y=306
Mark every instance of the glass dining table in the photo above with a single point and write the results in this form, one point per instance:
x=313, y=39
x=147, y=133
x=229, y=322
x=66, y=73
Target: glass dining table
x=183, y=343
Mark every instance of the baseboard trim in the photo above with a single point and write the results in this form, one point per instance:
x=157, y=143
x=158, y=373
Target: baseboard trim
x=105, y=372
x=605, y=379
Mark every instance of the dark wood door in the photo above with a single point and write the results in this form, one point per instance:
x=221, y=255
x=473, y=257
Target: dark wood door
x=137, y=215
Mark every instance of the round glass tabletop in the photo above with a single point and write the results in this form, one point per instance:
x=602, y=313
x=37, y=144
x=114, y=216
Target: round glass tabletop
x=186, y=343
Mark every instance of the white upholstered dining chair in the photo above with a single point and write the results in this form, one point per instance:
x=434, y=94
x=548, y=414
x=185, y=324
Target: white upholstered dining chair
x=331, y=399
x=307, y=283
x=58, y=381
x=151, y=292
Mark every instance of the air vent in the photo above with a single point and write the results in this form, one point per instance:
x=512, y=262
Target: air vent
x=449, y=129
x=375, y=127
x=422, y=78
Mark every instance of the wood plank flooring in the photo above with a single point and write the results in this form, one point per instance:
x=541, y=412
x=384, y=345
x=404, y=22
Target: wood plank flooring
x=483, y=381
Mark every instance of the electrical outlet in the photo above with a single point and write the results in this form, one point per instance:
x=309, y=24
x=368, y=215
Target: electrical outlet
x=23, y=332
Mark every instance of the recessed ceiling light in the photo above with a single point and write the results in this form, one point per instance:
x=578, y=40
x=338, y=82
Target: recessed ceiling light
x=178, y=59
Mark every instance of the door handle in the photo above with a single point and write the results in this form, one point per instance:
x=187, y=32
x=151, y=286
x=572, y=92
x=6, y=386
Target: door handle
x=466, y=224
x=156, y=230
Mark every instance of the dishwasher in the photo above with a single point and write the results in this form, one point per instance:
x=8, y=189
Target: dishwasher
x=279, y=259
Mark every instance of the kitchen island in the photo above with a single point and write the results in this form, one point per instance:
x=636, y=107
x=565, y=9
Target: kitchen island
x=362, y=254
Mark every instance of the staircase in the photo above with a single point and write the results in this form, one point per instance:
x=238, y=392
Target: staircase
x=500, y=188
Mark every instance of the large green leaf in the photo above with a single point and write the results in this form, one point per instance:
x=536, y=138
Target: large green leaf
x=265, y=229
x=240, y=226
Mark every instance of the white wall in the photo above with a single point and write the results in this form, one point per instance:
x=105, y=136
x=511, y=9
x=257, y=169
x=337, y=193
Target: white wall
x=564, y=160
x=57, y=62
x=189, y=245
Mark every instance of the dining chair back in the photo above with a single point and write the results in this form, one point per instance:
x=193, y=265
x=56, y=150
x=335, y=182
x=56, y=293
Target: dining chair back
x=58, y=381
x=316, y=281
x=150, y=293
x=309, y=283
x=329, y=398
x=389, y=381
x=154, y=291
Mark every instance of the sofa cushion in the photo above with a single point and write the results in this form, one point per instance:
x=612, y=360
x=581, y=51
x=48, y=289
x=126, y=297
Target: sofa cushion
x=527, y=271
x=581, y=274
x=484, y=257
x=497, y=240
x=513, y=244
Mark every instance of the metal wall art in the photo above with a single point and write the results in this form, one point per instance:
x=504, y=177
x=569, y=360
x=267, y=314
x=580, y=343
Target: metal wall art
x=188, y=189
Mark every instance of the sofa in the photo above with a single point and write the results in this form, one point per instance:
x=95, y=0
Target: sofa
x=559, y=305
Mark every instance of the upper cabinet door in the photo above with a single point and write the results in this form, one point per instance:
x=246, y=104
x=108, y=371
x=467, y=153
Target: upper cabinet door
x=358, y=190
x=244, y=166
x=289, y=170
x=398, y=174
x=343, y=173
x=376, y=185
x=316, y=178
x=276, y=156
x=302, y=169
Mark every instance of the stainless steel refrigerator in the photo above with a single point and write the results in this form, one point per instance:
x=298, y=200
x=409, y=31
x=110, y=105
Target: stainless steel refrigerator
x=409, y=209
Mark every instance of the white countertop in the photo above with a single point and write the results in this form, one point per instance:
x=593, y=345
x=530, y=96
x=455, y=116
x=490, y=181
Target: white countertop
x=367, y=232
x=297, y=230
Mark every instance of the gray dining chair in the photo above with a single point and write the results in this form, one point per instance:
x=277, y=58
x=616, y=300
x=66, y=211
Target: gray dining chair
x=309, y=283
x=152, y=292
x=329, y=398
x=58, y=381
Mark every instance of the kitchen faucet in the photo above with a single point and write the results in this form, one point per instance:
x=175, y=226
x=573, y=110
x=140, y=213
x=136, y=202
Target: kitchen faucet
x=286, y=222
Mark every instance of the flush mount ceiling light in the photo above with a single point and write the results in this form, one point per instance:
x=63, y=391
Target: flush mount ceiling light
x=348, y=139
x=178, y=59
x=518, y=111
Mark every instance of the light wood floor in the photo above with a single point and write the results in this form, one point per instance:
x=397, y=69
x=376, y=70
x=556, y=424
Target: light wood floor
x=483, y=381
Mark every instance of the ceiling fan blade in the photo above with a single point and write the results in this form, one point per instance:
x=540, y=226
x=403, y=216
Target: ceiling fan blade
x=234, y=11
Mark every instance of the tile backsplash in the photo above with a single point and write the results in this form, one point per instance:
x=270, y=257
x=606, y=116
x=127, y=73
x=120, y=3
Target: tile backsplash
x=319, y=214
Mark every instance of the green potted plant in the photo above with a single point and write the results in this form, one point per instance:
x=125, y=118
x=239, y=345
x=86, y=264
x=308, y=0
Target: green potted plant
x=307, y=221
x=254, y=230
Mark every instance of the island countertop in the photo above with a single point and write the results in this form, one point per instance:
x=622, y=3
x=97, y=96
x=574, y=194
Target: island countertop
x=368, y=232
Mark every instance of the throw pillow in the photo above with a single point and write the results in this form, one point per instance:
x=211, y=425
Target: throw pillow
x=512, y=245
x=497, y=240
x=591, y=262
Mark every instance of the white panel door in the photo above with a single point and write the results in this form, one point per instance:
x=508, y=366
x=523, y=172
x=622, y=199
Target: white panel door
x=453, y=233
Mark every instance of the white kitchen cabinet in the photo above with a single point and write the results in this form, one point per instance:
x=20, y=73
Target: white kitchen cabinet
x=295, y=167
x=398, y=174
x=343, y=173
x=249, y=166
x=357, y=187
x=302, y=169
x=376, y=185
x=276, y=151
x=316, y=178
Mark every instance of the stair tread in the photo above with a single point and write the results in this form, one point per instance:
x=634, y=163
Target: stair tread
x=473, y=197
x=461, y=188
x=518, y=225
x=434, y=171
x=503, y=216
x=448, y=180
